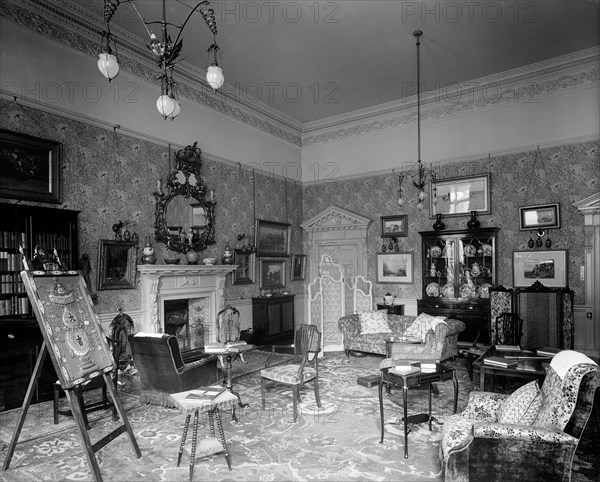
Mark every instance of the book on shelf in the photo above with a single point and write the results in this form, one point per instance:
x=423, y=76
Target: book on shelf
x=547, y=351
x=205, y=394
x=499, y=361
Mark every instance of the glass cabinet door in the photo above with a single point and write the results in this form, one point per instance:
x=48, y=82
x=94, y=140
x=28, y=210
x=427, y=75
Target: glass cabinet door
x=476, y=267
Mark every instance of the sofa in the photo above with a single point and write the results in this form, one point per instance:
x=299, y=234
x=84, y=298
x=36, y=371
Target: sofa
x=438, y=337
x=529, y=435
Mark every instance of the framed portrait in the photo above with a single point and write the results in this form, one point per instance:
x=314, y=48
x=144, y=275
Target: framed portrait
x=29, y=167
x=272, y=239
x=461, y=195
x=544, y=216
x=246, y=267
x=394, y=226
x=116, y=264
x=271, y=274
x=547, y=267
x=395, y=267
x=298, y=267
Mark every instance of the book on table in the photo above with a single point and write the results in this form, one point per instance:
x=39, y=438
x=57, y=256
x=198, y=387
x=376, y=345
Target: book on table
x=500, y=362
x=508, y=347
x=428, y=366
x=547, y=351
x=405, y=367
x=204, y=394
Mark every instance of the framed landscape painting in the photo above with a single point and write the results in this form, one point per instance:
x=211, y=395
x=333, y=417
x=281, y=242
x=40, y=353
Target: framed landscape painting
x=271, y=274
x=547, y=267
x=394, y=226
x=272, y=239
x=539, y=217
x=395, y=267
x=29, y=167
x=461, y=195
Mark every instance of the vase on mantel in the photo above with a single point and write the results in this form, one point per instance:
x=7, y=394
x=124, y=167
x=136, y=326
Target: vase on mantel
x=439, y=224
x=473, y=222
x=227, y=257
x=148, y=256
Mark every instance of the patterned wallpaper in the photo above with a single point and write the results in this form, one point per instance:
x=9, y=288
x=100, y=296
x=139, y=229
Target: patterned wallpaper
x=109, y=176
x=564, y=175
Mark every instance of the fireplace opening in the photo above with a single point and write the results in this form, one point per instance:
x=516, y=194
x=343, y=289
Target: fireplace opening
x=184, y=319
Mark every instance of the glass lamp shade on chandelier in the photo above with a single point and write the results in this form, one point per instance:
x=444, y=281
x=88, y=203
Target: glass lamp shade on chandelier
x=165, y=52
x=418, y=173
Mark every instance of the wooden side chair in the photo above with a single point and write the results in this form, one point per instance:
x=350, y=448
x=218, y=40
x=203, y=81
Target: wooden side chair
x=509, y=329
x=304, y=366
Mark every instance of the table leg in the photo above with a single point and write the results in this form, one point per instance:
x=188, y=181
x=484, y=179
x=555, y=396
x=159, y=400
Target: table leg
x=194, y=441
x=222, y=435
x=183, y=437
x=381, y=407
x=405, y=400
x=229, y=386
x=429, y=385
x=455, y=383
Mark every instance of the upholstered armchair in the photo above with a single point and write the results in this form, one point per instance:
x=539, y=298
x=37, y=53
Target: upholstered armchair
x=162, y=370
x=530, y=435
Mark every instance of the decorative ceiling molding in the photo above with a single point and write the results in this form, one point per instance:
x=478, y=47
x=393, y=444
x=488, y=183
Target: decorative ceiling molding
x=527, y=84
x=80, y=29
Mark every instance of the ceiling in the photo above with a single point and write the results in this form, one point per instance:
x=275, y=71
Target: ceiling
x=311, y=60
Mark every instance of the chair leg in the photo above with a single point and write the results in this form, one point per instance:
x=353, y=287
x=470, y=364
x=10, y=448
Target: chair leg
x=262, y=392
x=295, y=396
x=55, y=393
x=317, y=398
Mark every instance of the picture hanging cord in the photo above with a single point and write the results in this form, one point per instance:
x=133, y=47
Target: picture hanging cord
x=286, y=200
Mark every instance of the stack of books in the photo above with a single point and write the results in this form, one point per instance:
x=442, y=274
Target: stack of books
x=405, y=367
x=547, y=351
x=428, y=366
x=508, y=347
x=498, y=361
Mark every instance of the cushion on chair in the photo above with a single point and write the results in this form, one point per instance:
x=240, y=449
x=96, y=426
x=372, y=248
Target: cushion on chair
x=372, y=322
x=424, y=322
x=288, y=374
x=522, y=406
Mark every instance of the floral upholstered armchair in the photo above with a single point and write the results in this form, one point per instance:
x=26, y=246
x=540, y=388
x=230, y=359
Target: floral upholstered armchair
x=530, y=435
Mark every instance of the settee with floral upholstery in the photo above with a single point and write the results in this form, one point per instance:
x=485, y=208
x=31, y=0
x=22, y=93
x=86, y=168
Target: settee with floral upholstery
x=529, y=435
x=422, y=337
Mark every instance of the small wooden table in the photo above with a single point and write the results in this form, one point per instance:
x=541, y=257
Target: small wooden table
x=230, y=353
x=529, y=365
x=413, y=380
x=213, y=445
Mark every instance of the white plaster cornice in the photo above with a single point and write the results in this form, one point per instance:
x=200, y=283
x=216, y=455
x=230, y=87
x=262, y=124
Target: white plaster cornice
x=526, y=84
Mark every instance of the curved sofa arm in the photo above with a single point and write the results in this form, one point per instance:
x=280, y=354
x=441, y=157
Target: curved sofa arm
x=350, y=325
x=452, y=326
x=526, y=433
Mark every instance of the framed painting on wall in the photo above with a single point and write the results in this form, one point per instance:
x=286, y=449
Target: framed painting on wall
x=271, y=274
x=394, y=226
x=246, y=264
x=461, y=195
x=116, y=265
x=298, y=267
x=272, y=239
x=547, y=267
x=539, y=217
x=29, y=167
x=395, y=267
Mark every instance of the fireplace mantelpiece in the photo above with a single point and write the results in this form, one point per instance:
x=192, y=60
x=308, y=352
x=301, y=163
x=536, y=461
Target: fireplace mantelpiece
x=173, y=282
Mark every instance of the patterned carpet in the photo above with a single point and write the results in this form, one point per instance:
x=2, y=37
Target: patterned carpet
x=338, y=442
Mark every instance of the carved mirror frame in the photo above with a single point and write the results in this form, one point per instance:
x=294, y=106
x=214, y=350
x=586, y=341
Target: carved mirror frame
x=185, y=181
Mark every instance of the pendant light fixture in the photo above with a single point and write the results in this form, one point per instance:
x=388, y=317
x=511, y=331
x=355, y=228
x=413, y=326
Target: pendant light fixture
x=418, y=173
x=166, y=53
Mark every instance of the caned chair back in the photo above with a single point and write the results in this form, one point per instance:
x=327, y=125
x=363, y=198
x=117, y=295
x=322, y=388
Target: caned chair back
x=509, y=329
x=307, y=343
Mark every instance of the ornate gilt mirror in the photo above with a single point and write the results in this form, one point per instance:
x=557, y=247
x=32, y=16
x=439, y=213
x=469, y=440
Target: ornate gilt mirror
x=184, y=217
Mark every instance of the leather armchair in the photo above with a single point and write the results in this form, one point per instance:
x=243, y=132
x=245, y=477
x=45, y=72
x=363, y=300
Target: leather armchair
x=539, y=444
x=162, y=370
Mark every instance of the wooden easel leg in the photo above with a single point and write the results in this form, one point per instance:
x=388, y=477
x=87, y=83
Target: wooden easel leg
x=117, y=404
x=26, y=402
x=81, y=425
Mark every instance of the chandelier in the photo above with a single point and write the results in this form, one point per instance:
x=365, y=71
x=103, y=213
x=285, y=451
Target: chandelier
x=165, y=51
x=418, y=173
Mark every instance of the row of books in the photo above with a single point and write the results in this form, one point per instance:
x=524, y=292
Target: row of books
x=14, y=306
x=11, y=239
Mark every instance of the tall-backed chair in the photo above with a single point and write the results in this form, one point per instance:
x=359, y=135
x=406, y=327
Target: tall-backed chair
x=304, y=366
x=529, y=435
x=162, y=370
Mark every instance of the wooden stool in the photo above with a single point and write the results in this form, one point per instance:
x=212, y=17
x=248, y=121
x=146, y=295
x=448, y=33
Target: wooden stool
x=210, y=445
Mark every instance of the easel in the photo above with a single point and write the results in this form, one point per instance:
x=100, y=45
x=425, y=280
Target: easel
x=102, y=360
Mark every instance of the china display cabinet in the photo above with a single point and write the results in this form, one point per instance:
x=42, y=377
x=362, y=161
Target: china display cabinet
x=458, y=270
x=20, y=336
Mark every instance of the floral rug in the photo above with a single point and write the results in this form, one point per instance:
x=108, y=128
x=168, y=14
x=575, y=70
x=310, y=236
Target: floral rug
x=339, y=441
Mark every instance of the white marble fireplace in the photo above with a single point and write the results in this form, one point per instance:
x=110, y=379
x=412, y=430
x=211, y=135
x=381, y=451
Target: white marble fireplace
x=160, y=283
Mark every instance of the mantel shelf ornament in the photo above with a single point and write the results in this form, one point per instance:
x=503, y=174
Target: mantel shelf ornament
x=184, y=217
